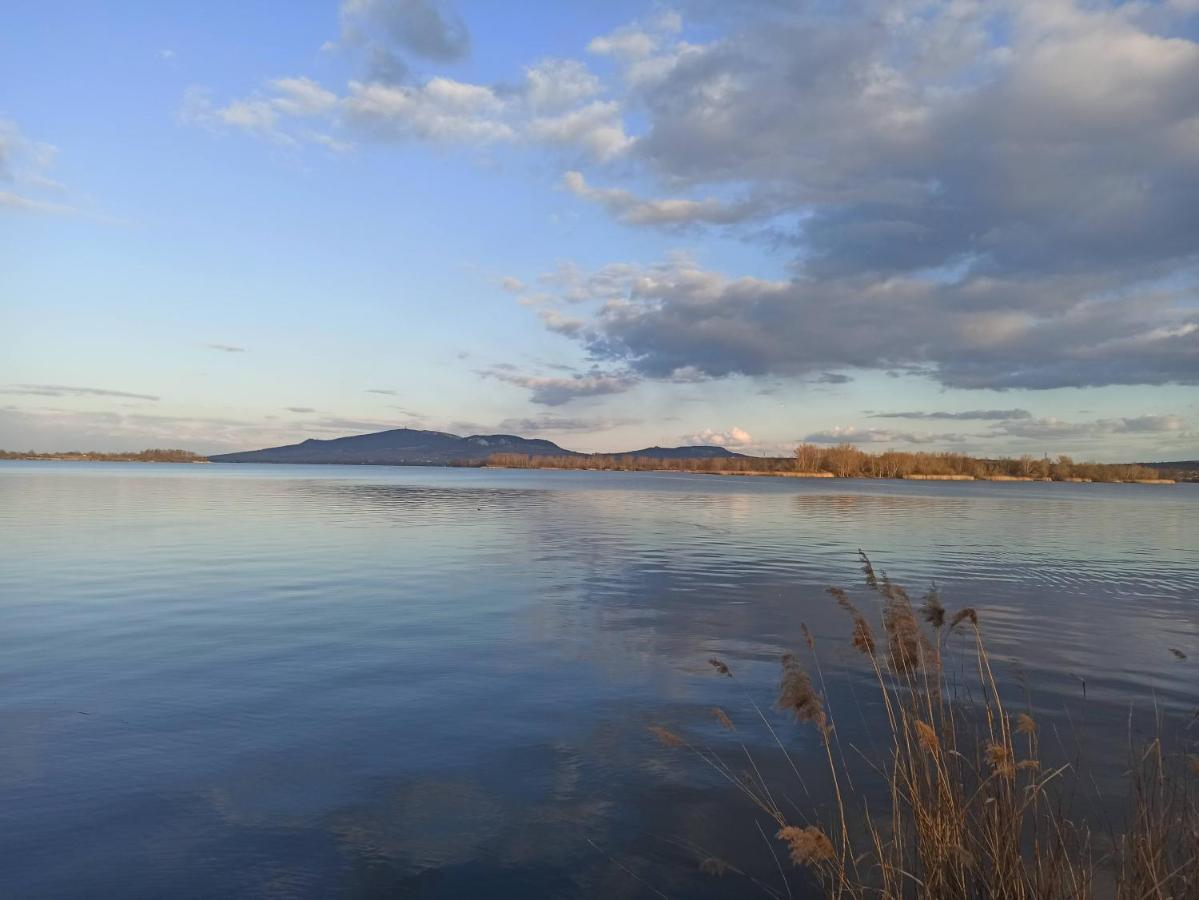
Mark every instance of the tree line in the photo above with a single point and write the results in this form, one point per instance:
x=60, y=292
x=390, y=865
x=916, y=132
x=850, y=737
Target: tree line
x=848, y=461
x=154, y=455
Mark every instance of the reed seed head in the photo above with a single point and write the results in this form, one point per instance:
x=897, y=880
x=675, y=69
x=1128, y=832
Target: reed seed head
x=713, y=866
x=796, y=695
x=964, y=615
x=666, y=737
x=807, y=846
x=1000, y=758
x=931, y=609
x=927, y=737
x=722, y=717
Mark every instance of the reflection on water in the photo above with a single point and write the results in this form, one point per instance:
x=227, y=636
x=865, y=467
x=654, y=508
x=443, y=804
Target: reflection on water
x=304, y=681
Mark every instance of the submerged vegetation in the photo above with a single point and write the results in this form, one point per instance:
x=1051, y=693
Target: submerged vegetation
x=964, y=803
x=847, y=461
x=157, y=455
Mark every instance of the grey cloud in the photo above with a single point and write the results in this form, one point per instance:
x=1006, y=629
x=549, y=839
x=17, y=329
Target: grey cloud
x=833, y=378
x=384, y=391
x=852, y=435
x=966, y=415
x=62, y=390
x=424, y=28
x=556, y=391
x=906, y=148
x=299, y=409
x=226, y=348
x=539, y=424
x=997, y=217
x=1057, y=428
x=1149, y=424
x=562, y=324
x=980, y=332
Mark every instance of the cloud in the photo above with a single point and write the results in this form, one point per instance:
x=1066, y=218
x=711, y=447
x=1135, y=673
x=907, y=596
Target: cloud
x=441, y=109
x=992, y=196
x=548, y=424
x=278, y=112
x=554, y=85
x=448, y=111
x=1058, y=429
x=556, y=105
x=628, y=207
x=556, y=391
x=596, y=127
x=639, y=40
x=62, y=390
x=833, y=378
x=385, y=391
x=300, y=409
x=562, y=324
x=848, y=434
x=226, y=348
x=967, y=415
x=978, y=332
x=302, y=97
x=733, y=437
x=424, y=28
x=25, y=165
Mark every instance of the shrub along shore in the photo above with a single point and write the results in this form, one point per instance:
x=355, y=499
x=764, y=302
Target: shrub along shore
x=847, y=461
x=171, y=456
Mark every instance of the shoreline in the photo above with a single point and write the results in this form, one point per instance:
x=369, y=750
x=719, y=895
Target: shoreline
x=745, y=474
x=822, y=475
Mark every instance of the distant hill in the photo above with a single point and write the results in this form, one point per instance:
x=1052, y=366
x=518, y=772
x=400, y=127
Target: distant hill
x=693, y=452
x=1183, y=469
x=413, y=447
x=399, y=447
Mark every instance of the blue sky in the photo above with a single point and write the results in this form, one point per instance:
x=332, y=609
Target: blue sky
x=918, y=225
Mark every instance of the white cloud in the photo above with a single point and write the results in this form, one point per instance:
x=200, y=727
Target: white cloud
x=732, y=437
x=440, y=110
x=596, y=127
x=554, y=85
x=302, y=97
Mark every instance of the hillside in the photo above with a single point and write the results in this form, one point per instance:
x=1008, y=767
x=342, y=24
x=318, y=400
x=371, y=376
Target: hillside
x=399, y=447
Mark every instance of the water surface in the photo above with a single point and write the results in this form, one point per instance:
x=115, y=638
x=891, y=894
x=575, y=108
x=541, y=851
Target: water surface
x=294, y=681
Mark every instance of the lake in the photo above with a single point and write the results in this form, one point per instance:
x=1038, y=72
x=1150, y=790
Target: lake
x=325, y=681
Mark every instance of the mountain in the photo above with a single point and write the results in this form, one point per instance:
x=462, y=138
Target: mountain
x=1182, y=470
x=412, y=447
x=694, y=452
x=399, y=447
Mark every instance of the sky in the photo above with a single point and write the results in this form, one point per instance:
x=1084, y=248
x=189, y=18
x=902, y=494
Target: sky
x=958, y=225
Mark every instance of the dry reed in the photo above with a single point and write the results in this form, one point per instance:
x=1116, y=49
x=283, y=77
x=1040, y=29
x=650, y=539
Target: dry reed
x=970, y=809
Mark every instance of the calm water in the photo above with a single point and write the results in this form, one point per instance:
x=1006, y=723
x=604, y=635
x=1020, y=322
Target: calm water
x=356, y=681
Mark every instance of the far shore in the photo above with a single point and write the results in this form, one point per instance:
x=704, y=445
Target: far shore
x=743, y=466
x=750, y=474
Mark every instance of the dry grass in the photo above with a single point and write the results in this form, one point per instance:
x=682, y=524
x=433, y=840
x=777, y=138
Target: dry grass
x=970, y=808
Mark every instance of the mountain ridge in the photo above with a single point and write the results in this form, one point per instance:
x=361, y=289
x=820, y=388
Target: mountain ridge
x=417, y=447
